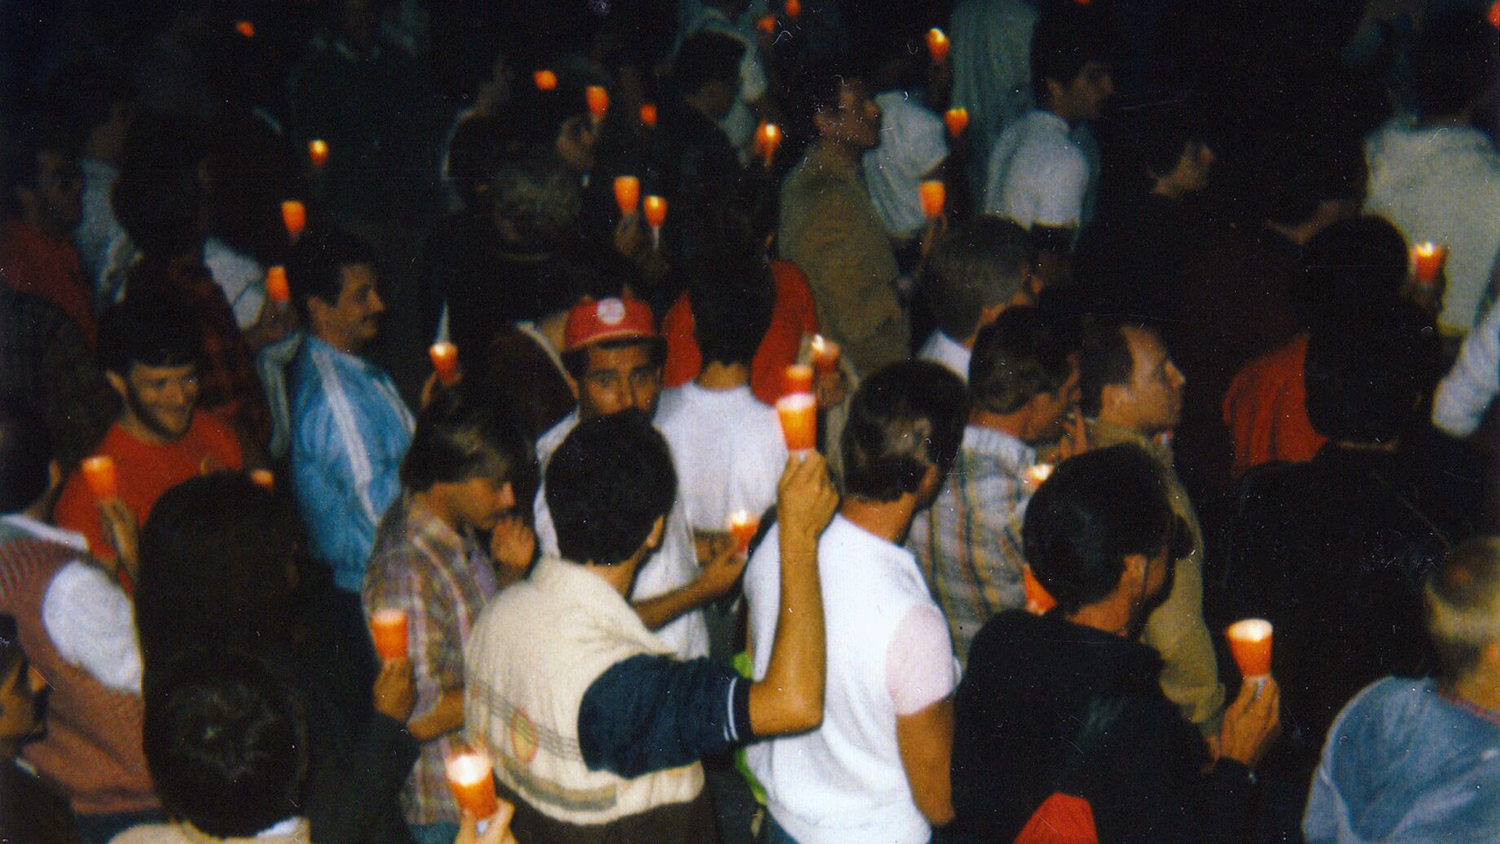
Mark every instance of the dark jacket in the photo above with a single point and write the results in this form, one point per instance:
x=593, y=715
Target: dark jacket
x=1049, y=706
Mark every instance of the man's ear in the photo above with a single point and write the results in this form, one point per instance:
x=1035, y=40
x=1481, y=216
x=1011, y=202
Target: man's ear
x=1489, y=657
x=657, y=531
x=117, y=383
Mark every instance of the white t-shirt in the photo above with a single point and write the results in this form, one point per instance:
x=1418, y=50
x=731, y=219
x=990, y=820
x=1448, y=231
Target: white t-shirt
x=728, y=450
x=240, y=276
x=1037, y=175
x=942, y=349
x=912, y=143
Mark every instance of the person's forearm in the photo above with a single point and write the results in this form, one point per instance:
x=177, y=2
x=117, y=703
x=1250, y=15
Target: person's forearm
x=790, y=697
x=662, y=610
x=443, y=718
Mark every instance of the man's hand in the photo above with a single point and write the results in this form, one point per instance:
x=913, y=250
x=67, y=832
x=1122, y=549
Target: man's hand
x=805, y=499
x=513, y=544
x=720, y=573
x=831, y=389
x=630, y=238
x=119, y=527
x=498, y=831
x=395, y=694
x=273, y=323
x=1251, y=723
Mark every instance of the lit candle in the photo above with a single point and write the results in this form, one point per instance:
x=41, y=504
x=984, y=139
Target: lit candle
x=317, y=150
x=545, y=80
x=656, y=214
x=100, y=476
x=1250, y=645
x=598, y=99
x=264, y=479
x=799, y=422
x=937, y=45
x=742, y=528
x=1038, y=600
x=957, y=119
x=1494, y=14
x=245, y=28
x=793, y=9
x=767, y=140
x=825, y=354
x=934, y=194
x=766, y=24
x=277, y=289
x=1427, y=261
x=294, y=216
x=471, y=778
x=388, y=629
x=1038, y=474
x=445, y=362
x=798, y=379
x=627, y=194
x=648, y=114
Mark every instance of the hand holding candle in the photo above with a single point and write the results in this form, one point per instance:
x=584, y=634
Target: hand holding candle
x=294, y=217
x=1038, y=475
x=767, y=141
x=101, y=477
x=937, y=45
x=472, y=780
x=388, y=629
x=1427, y=261
x=1250, y=644
x=825, y=354
x=627, y=194
x=277, y=289
x=934, y=195
x=445, y=362
x=742, y=528
x=656, y=214
x=957, y=119
x=799, y=422
x=317, y=152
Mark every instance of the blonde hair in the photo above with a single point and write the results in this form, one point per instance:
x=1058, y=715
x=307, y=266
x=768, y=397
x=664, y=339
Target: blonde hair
x=1463, y=604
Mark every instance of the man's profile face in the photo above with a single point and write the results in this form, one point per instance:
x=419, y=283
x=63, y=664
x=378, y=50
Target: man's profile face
x=618, y=379
x=1088, y=91
x=856, y=120
x=1152, y=401
x=356, y=314
x=482, y=502
x=1052, y=409
x=575, y=143
x=161, y=398
x=59, y=190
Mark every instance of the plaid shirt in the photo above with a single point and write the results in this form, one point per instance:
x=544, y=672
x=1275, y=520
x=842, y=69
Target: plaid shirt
x=968, y=544
x=442, y=579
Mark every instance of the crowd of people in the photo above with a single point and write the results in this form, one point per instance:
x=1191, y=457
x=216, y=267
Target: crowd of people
x=1115, y=322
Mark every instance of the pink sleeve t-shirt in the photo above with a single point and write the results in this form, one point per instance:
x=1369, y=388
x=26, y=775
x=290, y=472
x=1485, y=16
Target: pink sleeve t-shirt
x=919, y=665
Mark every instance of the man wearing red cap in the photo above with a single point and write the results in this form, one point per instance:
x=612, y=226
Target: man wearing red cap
x=612, y=350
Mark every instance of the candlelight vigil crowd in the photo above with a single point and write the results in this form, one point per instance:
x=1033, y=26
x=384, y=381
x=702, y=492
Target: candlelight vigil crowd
x=776, y=421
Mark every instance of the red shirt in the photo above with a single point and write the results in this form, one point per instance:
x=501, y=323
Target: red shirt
x=145, y=472
x=33, y=263
x=1266, y=410
x=793, y=316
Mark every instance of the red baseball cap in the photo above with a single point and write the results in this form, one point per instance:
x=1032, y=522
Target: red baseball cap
x=598, y=320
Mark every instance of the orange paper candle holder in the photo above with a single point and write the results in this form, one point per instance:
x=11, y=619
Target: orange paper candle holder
x=277, y=289
x=100, y=475
x=263, y=478
x=934, y=195
x=1427, y=261
x=544, y=80
x=294, y=217
x=767, y=141
x=1038, y=475
x=388, y=629
x=937, y=45
x=798, y=379
x=245, y=28
x=627, y=194
x=798, y=413
x=1250, y=644
x=793, y=9
x=656, y=211
x=444, y=362
x=766, y=24
x=825, y=354
x=598, y=100
x=742, y=528
x=648, y=114
x=1494, y=14
x=471, y=779
x=1038, y=600
x=957, y=119
x=317, y=152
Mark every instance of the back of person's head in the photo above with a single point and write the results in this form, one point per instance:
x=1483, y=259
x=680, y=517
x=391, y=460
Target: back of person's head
x=731, y=291
x=459, y=437
x=1362, y=380
x=1351, y=270
x=536, y=198
x=1463, y=605
x=1455, y=60
x=904, y=420
x=226, y=743
x=159, y=198
x=84, y=94
x=1094, y=511
x=315, y=265
x=1161, y=134
x=473, y=156
x=816, y=91
x=1300, y=177
x=707, y=57
x=1018, y=356
x=978, y=265
x=251, y=172
x=146, y=333
x=1068, y=35
x=1104, y=359
x=25, y=454
x=606, y=486
x=216, y=558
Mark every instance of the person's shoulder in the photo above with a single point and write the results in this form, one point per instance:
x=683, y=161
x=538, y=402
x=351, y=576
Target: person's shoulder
x=162, y=833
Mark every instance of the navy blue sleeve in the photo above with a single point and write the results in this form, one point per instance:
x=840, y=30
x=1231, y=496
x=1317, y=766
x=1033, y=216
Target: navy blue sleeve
x=650, y=713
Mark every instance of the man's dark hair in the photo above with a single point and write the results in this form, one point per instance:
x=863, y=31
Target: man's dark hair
x=1068, y=36
x=978, y=265
x=473, y=157
x=1016, y=357
x=577, y=360
x=816, y=91
x=606, y=486
x=731, y=294
x=1104, y=358
x=314, y=268
x=226, y=743
x=903, y=420
x=537, y=198
x=26, y=138
x=707, y=57
x=1455, y=60
x=1362, y=381
x=1304, y=175
x=535, y=118
x=1096, y=509
x=1352, y=271
x=158, y=197
x=215, y=554
x=1462, y=601
x=459, y=436
x=150, y=334
x=25, y=452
